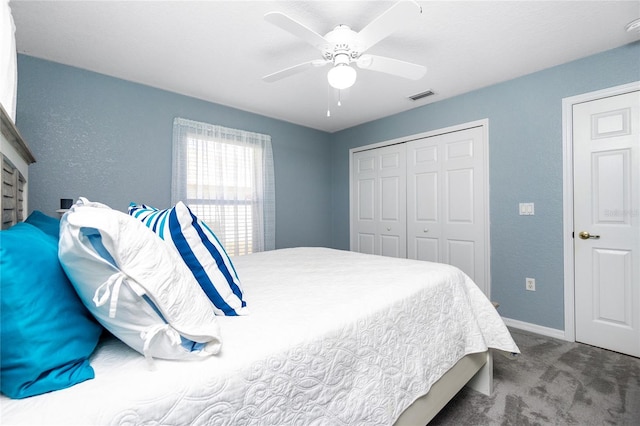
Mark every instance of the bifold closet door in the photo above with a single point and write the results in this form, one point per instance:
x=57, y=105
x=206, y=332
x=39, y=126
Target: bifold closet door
x=446, y=201
x=379, y=201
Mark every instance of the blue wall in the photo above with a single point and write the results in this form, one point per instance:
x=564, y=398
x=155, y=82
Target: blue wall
x=525, y=156
x=110, y=141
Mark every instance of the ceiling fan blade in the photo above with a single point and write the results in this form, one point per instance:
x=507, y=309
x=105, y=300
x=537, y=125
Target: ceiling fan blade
x=392, y=66
x=279, y=75
x=394, y=18
x=294, y=27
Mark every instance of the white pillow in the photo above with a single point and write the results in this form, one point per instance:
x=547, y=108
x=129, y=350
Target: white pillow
x=201, y=251
x=135, y=285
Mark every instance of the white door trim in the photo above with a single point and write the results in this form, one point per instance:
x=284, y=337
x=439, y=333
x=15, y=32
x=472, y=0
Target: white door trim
x=567, y=195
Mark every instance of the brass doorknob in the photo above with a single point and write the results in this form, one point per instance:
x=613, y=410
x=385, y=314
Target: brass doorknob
x=585, y=235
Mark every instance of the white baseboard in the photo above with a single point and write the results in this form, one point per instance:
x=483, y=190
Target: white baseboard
x=534, y=328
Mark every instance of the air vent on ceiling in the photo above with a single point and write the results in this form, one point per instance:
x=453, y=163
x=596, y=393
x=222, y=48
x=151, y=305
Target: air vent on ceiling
x=421, y=95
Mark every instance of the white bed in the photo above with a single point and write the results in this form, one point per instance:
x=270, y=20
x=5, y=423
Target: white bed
x=333, y=337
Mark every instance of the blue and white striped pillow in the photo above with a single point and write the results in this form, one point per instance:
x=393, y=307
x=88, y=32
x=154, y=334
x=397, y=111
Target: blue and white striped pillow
x=201, y=251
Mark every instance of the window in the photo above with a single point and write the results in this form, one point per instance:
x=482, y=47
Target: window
x=225, y=176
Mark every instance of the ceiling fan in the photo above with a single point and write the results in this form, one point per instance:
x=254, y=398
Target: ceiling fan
x=342, y=46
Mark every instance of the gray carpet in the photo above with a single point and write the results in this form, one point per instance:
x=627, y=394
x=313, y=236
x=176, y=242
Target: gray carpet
x=553, y=382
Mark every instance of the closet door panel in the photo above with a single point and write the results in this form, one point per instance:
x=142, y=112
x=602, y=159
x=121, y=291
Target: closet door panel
x=392, y=201
x=426, y=205
x=378, y=191
x=446, y=201
x=390, y=246
x=365, y=212
x=364, y=216
x=466, y=201
x=366, y=199
x=461, y=254
x=459, y=148
x=366, y=243
x=423, y=193
x=459, y=196
x=423, y=200
x=426, y=249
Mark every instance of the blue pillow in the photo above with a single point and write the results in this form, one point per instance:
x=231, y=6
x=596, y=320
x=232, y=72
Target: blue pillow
x=47, y=334
x=47, y=224
x=201, y=251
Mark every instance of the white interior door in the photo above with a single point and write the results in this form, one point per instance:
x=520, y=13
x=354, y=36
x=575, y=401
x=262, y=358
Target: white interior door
x=447, y=201
x=606, y=156
x=379, y=194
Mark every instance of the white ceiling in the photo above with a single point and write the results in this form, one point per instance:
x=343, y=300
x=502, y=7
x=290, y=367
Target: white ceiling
x=219, y=50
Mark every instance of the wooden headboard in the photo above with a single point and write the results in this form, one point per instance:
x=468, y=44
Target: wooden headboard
x=16, y=157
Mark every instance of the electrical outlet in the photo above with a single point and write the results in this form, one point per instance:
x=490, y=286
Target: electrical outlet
x=530, y=284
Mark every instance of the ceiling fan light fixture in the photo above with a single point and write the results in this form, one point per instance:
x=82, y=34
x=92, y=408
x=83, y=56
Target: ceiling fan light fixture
x=342, y=46
x=342, y=76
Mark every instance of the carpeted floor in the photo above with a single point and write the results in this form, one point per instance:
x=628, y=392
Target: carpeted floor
x=553, y=382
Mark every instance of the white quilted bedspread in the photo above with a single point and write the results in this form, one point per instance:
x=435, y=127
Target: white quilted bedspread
x=333, y=337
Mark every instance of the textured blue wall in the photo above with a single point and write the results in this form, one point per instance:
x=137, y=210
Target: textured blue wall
x=525, y=156
x=110, y=140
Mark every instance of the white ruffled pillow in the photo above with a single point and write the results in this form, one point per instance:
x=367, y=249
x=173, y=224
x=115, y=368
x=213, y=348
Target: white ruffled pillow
x=134, y=285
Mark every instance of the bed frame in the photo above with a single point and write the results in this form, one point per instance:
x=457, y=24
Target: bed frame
x=474, y=370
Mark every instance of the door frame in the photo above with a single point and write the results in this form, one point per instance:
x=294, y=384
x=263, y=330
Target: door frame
x=567, y=196
x=484, y=124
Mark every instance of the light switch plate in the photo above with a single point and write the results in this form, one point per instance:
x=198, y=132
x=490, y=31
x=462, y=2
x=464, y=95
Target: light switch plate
x=526, y=209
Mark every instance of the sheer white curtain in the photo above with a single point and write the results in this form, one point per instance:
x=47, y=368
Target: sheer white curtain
x=226, y=177
x=8, y=60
